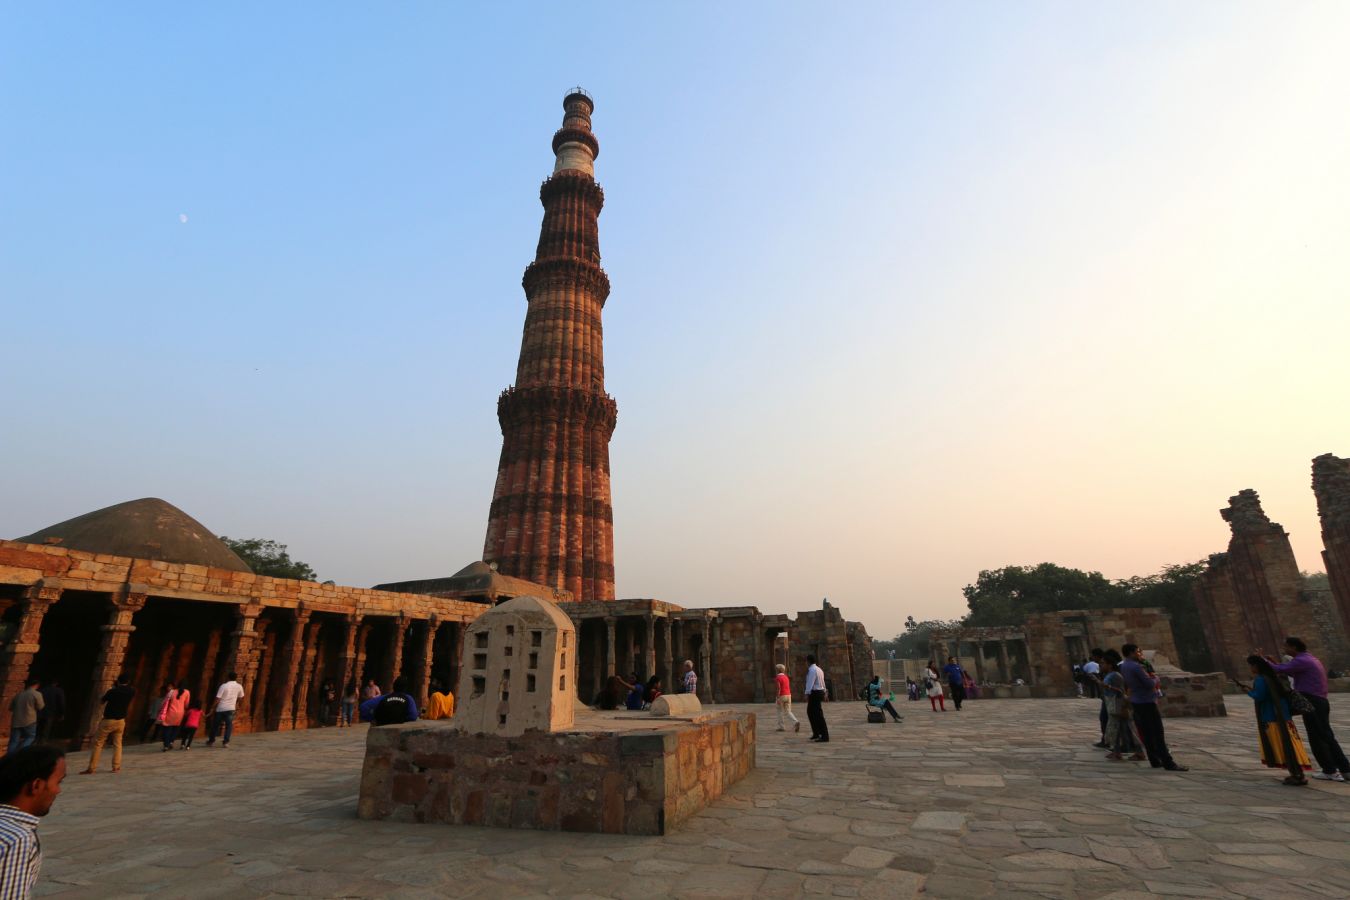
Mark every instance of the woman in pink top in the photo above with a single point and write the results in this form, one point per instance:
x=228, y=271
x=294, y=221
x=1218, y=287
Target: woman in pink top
x=172, y=713
x=784, y=699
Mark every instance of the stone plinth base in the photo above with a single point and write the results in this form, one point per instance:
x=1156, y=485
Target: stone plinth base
x=1186, y=694
x=614, y=773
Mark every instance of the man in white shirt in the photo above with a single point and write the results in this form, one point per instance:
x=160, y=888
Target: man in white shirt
x=223, y=707
x=815, y=696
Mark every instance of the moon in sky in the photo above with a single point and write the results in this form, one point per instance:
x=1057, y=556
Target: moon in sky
x=182, y=217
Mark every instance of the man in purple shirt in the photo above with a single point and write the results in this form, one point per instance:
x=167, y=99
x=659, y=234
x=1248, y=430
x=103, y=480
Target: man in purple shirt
x=1144, y=703
x=1310, y=680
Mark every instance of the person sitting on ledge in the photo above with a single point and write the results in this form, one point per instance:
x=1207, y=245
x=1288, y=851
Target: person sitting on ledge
x=652, y=692
x=395, y=707
x=874, y=698
x=442, y=703
x=635, y=692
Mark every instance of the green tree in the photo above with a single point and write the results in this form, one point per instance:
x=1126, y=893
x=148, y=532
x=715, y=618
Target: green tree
x=1173, y=589
x=1316, y=581
x=269, y=558
x=1007, y=596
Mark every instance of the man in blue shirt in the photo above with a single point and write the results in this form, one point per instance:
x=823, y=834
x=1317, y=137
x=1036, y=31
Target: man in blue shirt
x=1144, y=703
x=955, y=681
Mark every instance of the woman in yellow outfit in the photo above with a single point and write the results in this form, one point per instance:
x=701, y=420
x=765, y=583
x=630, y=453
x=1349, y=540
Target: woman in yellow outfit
x=1280, y=743
x=441, y=705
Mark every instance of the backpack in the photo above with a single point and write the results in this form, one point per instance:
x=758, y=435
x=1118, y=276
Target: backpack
x=391, y=710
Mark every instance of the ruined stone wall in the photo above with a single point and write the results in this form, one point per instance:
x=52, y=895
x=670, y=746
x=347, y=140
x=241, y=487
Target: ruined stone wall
x=1047, y=648
x=824, y=633
x=860, y=649
x=643, y=782
x=739, y=664
x=1331, y=486
x=1221, y=618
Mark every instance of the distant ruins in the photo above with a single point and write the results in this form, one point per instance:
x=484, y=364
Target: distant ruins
x=143, y=588
x=1251, y=596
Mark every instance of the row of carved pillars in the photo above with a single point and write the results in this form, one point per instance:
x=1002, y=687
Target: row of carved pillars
x=280, y=656
x=942, y=649
x=651, y=644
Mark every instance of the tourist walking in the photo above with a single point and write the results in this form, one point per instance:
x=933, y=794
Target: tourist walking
x=1279, y=741
x=1310, y=680
x=1093, y=670
x=933, y=687
x=815, y=697
x=351, y=697
x=955, y=681
x=874, y=699
x=1142, y=691
x=30, y=780
x=1119, y=737
x=152, y=713
x=223, y=709
x=327, y=700
x=53, y=710
x=112, y=727
x=783, y=699
x=191, y=720
x=23, y=721
x=689, y=684
x=172, y=713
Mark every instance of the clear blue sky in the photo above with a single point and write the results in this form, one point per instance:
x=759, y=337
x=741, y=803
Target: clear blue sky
x=901, y=291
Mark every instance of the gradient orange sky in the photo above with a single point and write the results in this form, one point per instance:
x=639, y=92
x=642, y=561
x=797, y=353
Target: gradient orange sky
x=899, y=294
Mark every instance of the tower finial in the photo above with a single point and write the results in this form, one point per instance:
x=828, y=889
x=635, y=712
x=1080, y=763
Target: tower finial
x=574, y=146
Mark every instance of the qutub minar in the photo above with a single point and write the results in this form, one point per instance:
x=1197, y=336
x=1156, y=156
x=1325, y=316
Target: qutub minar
x=551, y=520
x=143, y=589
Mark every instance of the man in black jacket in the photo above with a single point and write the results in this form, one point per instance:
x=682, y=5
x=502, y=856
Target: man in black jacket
x=112, y=725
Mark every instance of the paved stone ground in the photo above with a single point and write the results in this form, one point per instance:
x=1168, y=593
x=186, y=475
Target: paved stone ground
x=1004, y=799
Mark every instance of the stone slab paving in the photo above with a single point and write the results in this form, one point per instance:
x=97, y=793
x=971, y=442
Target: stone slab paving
x=1004, y=799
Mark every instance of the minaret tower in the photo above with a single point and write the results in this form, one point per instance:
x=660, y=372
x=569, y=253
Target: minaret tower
x=552, y=521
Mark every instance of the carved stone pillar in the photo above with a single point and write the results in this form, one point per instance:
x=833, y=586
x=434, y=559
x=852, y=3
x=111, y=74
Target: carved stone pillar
x=262, y=662
x=243, y=660
x=111, y=656
x=1004, y=669
x=347, y=664
x=208, y=680
x=705, y=693
x=362, y=643
x=668, y=677
x=979, y=661
x=291, y=668
x=757, y=648
x=18, y=656
x=393, y=667
x=308, y=665
x=421, y=686
x=609, y=647
x=651, y=645
x=460, y=628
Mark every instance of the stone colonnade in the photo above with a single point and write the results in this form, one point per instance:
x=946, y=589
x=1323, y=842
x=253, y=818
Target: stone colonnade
x=83, y=619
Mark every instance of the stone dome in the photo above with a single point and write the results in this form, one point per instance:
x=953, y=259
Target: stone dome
x=148, y=528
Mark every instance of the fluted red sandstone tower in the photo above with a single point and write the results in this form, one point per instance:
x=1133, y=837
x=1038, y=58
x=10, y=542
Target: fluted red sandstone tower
x=551, y=520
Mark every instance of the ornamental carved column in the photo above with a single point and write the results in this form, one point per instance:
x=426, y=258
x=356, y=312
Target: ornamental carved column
x=609, y=647
x=243, y=660
x=1004, y=668
x=421, y=687
x=757, y=645
x=394, y=666
x=17, y=658
x=460, y=627
x=347, y=663
x=651, y=645
x=212, y=656
x=362, y=646
x=111, y=656
x=705, y=661
x=551, y=519
x=291, y=668
x=668, y=677
x=308, y=665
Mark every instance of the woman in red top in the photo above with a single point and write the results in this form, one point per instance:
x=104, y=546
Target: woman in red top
x=191, y=719
x=784, y=699
x=171, y=715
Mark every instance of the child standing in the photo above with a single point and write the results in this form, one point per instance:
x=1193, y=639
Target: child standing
x=191, y=720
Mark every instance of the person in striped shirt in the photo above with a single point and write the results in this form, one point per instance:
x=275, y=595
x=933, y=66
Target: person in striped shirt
x=30, y=780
